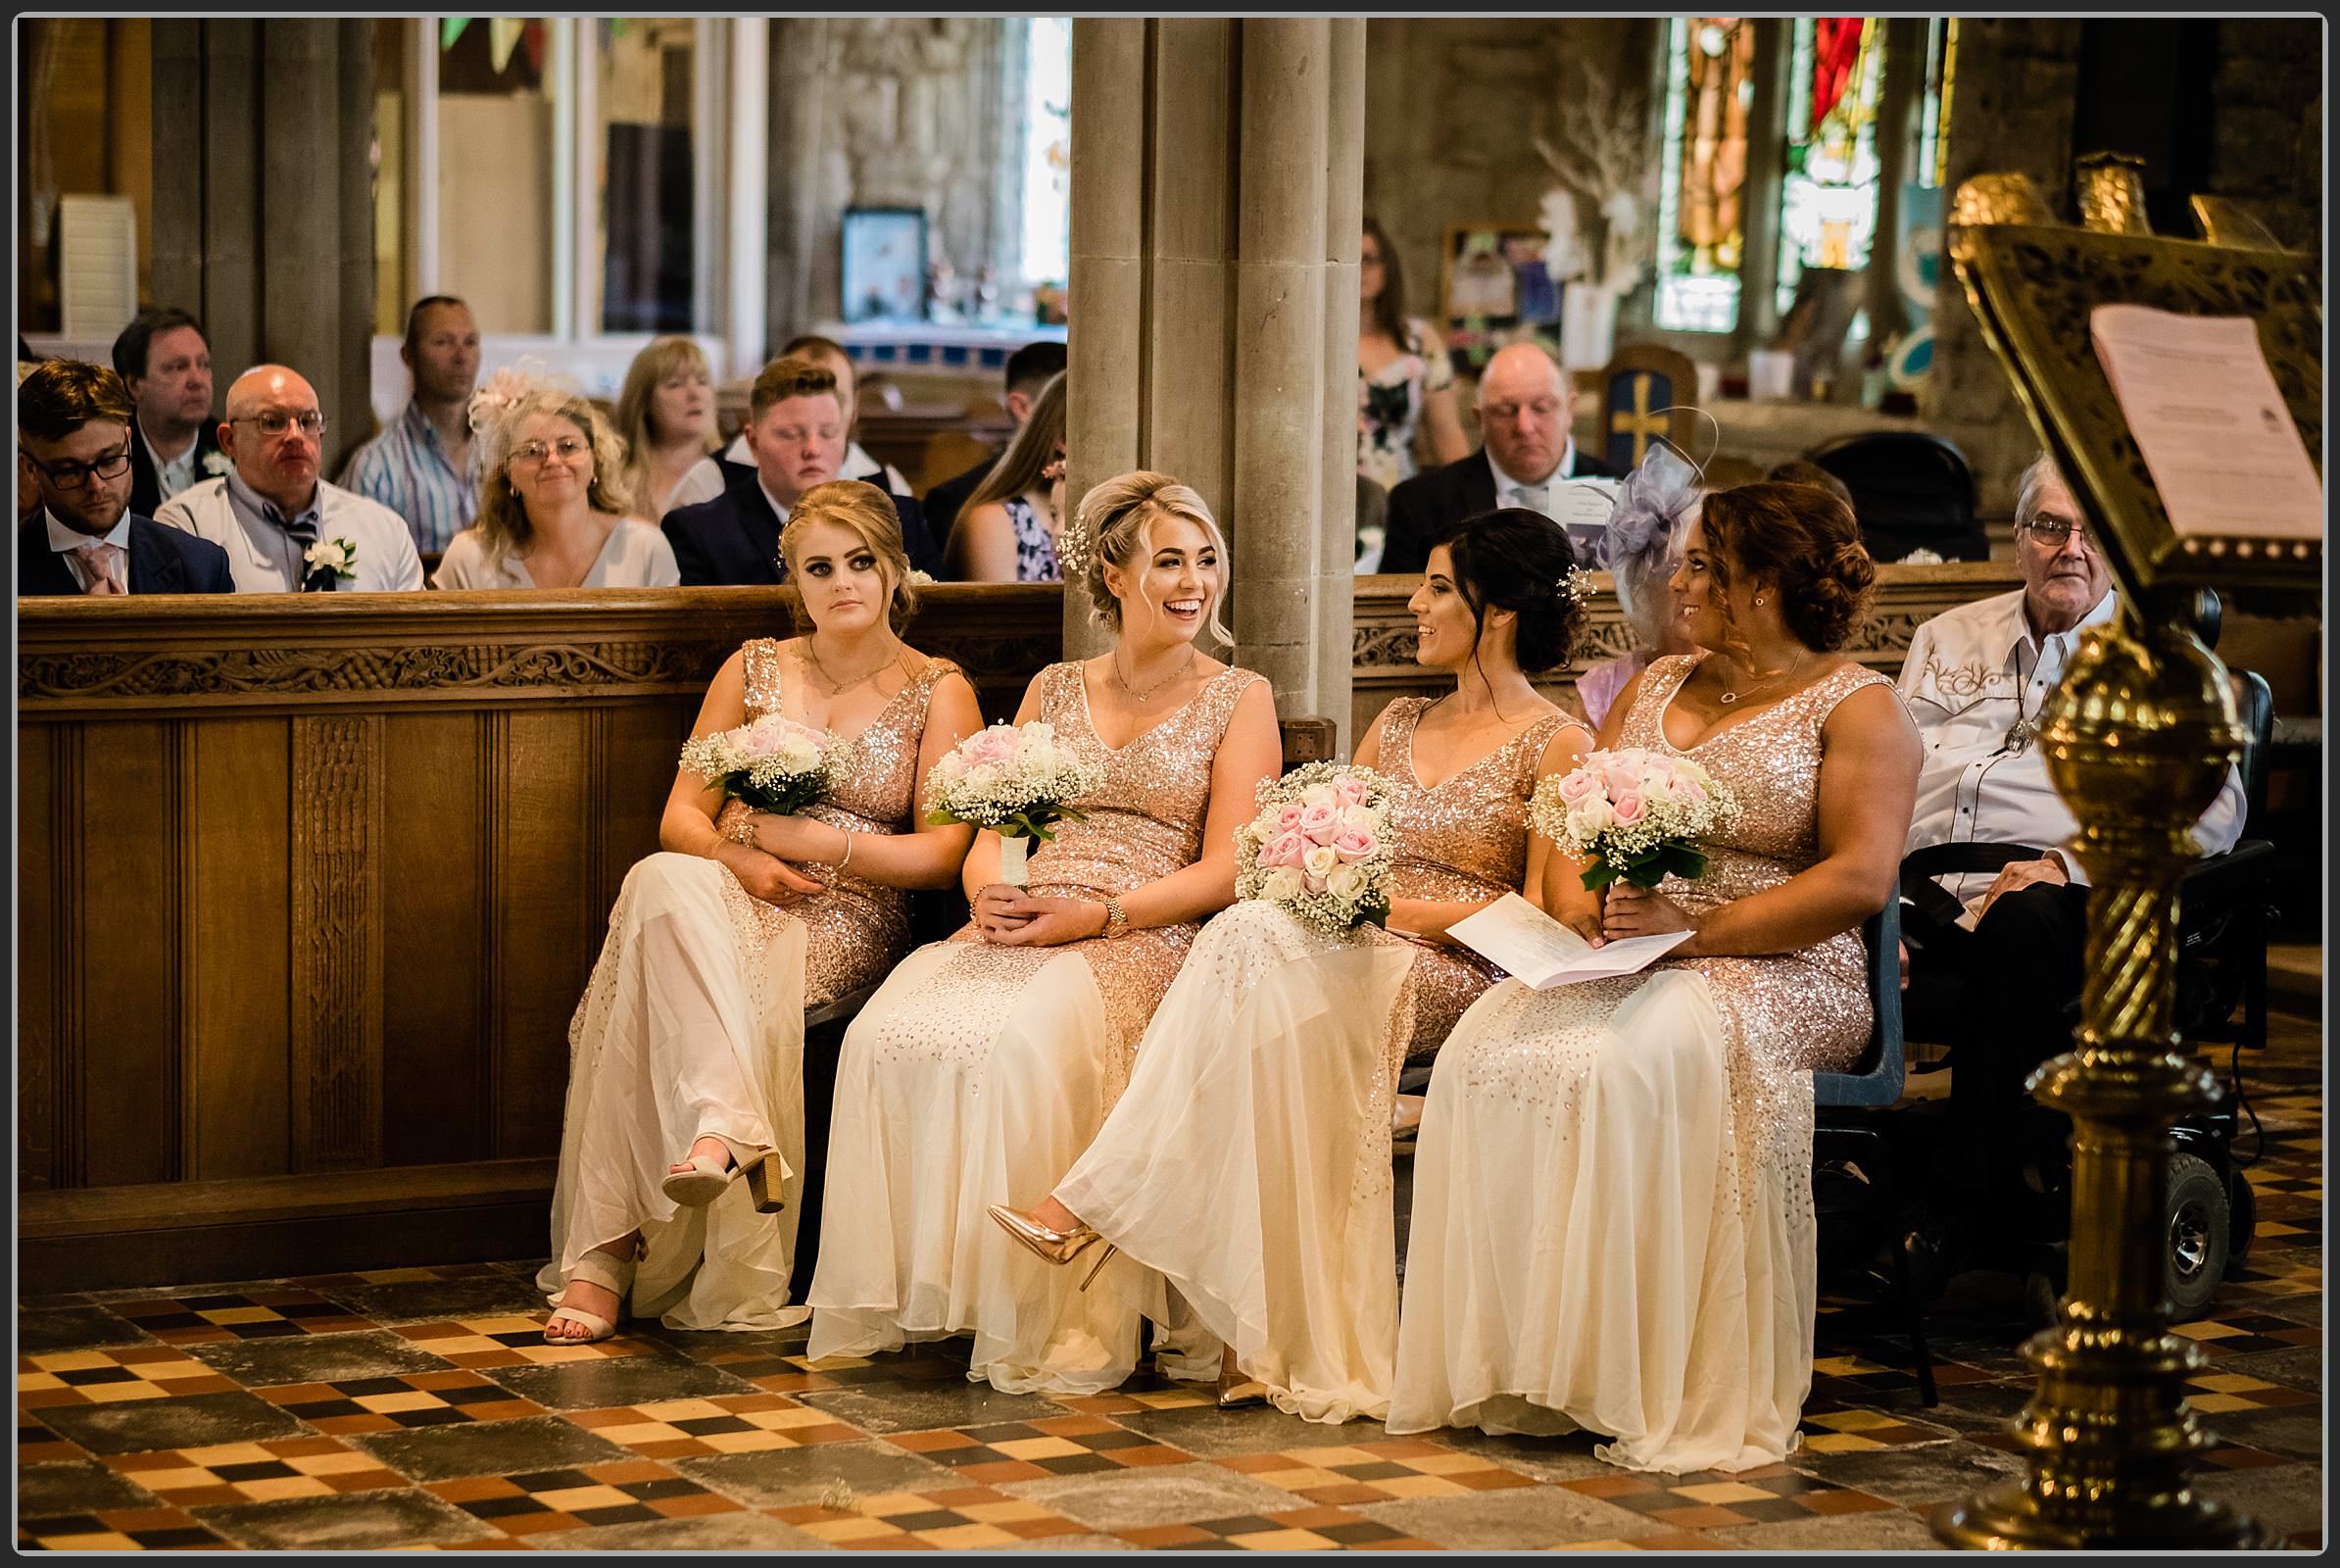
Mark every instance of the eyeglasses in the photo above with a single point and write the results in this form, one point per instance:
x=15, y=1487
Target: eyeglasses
x=569, y=447
x=2052, y=532
x=277, y=421
x=70, y=475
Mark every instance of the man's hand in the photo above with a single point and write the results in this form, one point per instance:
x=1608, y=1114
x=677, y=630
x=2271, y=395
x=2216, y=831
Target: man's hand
x=2049, y=869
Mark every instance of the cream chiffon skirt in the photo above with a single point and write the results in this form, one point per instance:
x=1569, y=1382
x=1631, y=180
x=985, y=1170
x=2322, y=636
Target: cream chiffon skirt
x=693, y=1023
x=954, y=1092
x=1608, y=1230
x=1248, y=1167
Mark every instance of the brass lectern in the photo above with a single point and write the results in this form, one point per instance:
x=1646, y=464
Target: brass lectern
x=2137, y=738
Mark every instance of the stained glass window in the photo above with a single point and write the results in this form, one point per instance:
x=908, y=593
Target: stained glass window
x=1709, y=89
x=1828, y=197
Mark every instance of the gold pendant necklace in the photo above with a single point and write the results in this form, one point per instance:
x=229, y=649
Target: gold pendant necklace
x=1146, y=695
x=838, y=688
x=1792, y=670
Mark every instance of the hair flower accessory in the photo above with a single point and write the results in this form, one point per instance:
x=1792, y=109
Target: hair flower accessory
x=1076, y=543
x=1576, y=586
x=502, y=389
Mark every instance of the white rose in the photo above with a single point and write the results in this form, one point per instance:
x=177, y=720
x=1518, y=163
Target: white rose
x=1356, y=817
x=1283, y=885
x=1345, y=882
x=1317, y=794
x=1592, y=817
x=1320, y=861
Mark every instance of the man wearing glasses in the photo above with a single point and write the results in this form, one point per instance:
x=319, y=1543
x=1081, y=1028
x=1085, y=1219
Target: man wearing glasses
x=284, y=528
x=73, y=444
x=1974, y=680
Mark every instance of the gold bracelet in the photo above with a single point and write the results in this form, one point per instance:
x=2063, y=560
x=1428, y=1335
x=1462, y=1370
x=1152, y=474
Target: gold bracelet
x=742, y=831
x=1117, y=919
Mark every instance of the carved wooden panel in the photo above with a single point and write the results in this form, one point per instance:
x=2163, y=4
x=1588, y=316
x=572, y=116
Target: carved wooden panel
x=49, y=764
x=435, y=840
x=336, y=942
x=238, y=962
x=124, y=969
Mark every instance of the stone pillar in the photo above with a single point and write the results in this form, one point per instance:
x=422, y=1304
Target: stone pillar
x=269, y=238
x=1216, y=191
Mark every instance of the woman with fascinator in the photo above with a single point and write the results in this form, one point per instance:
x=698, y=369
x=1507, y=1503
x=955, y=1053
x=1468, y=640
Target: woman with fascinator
x=553, y=509
x=1247, y=1169
x=986, y=1063
x=1638, y=550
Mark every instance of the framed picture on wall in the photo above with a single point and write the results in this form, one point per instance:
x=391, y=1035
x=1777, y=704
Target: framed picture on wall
x=1493, y=289
x=883, y=278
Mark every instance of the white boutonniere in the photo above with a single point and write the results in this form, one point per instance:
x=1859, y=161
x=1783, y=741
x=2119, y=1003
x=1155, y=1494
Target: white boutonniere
x=217, y=463
x=336, y=555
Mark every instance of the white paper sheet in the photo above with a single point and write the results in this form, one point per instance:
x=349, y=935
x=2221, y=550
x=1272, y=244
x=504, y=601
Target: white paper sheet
x=1528, y=944
x=2210, y=423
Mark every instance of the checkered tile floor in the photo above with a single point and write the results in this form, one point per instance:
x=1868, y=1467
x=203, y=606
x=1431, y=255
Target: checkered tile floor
x=282, y=1414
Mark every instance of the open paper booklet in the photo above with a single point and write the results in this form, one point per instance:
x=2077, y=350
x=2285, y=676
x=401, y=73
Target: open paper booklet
x=1531, y=945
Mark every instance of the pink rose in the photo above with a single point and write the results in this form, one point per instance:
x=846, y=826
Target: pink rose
x=1349, y=791
x=1628, y=808
x=990, y=747
x=1285, y=848
x=1353, y=843
x=1287, y=820
x=1683, y=787
x=1319, y=821
x=1314, y=884
x=1580, y=787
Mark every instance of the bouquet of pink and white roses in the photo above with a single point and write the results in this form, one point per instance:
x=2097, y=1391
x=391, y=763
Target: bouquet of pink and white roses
x=774, y=765
x=1014, y=779
x=1320, y=847
x=1637, y=815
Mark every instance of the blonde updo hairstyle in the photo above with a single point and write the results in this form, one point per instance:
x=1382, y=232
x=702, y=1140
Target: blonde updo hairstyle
x=867, y=514
x=503, y=521
x=1115, y=526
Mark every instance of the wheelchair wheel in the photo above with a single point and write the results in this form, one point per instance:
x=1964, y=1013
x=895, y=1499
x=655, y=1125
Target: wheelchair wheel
x=2242, y=1218
x=2197, y=1231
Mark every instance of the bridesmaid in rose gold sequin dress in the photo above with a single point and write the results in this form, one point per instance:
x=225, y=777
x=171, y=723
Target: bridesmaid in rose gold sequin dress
x=1248, y=1169
x=692, y=1026
x=1613, y=1221
x=986, y=1063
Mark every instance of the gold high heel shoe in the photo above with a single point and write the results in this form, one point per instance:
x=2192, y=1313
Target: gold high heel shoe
x=1052, y=1246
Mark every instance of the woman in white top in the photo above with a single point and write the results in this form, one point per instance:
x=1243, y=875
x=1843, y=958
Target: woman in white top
x=666, y=417
x=551, y=510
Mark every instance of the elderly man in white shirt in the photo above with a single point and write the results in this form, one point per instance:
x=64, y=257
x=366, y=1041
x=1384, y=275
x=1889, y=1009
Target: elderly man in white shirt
x=1974, y=680
x=284, y=528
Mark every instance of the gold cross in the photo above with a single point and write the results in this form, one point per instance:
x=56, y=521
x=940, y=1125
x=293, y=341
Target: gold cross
x=1640, y=423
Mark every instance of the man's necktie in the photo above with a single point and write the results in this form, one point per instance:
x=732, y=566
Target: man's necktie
x=103, y=562
x=302, y=531
x=1534, y=497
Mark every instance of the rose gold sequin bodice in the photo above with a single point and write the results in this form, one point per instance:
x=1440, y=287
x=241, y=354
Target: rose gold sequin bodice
x=857, y=929
x=1814, y=1001
x=1464, y=840
x=1143, y=821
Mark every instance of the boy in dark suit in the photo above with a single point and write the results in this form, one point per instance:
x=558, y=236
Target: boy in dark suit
x=796, y=433
x=74, y=435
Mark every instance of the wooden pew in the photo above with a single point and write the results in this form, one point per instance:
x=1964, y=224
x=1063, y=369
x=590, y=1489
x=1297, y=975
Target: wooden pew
x=309, y=889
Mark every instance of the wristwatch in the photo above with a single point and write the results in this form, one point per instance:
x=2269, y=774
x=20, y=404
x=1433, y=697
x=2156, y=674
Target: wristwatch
x=1116, y=921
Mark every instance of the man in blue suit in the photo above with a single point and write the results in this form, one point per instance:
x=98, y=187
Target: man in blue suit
x=73, y=438
x=796, y=433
